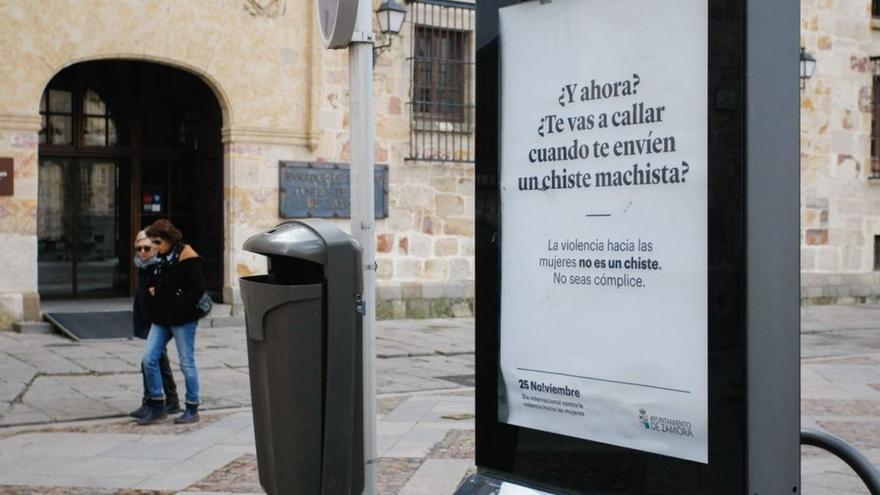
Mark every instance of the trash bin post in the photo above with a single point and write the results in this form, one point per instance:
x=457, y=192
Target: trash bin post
x=305, y=359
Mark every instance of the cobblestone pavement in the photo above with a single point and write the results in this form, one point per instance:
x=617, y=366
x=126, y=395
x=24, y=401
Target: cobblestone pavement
x=425, y=435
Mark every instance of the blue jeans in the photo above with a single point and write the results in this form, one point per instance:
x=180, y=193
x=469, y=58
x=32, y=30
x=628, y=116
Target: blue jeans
x=185, y=338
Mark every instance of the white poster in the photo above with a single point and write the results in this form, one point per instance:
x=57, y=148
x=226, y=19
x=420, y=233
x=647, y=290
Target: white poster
x=604, y=221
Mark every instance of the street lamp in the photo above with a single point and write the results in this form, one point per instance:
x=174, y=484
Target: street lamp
x=390, y=15
x=808, y=66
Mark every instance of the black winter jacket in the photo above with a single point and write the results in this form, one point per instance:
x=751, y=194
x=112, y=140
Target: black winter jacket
x=140, y=321
x=177, y=294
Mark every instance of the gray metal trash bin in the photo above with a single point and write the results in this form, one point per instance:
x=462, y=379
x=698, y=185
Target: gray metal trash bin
x=305, y=346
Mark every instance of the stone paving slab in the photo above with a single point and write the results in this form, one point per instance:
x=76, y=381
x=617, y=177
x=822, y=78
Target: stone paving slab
x=194, y=469
x=49, y=362
x=141, y=457
x=840, y=358
x=50, y=378
x=63, y=490
x=13, y=369
x=217, y=454
x=10, y=390
x=426, y=426
x=19, y=413
x=437, y=476
x=62, y=380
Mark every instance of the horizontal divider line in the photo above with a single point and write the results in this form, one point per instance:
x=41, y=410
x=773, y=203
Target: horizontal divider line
x=643, y=385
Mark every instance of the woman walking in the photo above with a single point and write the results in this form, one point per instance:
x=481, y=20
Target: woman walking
x=145, y=259
x=171, y=304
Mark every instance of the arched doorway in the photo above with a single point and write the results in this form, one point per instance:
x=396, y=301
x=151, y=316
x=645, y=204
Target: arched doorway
x=122, y=144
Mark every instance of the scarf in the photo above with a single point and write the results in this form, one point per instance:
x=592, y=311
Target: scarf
x=165, y=262
x=141, y=264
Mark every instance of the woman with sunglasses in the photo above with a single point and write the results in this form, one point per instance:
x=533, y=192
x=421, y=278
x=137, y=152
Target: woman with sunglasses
x=145, y=259
x=171, y=304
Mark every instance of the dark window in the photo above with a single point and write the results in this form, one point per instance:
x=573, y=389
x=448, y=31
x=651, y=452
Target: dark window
x=98, y=128
x=875, y=8
x=441, y=105
x=438, y=74
x=56, y=109
x=78, y=117
x=875, y=126
x=877, y=253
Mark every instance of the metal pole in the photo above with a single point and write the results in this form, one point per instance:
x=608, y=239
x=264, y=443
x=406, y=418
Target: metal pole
x=363, y=214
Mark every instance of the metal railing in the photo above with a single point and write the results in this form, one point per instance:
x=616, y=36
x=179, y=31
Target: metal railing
x=847, y=453
x=442, y=81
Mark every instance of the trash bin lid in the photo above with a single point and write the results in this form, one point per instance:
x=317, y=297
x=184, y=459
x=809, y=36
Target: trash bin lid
x=291, y=240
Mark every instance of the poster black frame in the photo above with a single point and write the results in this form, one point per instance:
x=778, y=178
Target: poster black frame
x=753, y=270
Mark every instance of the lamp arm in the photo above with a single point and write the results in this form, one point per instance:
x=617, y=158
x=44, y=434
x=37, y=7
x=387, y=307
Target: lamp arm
x=379, y=49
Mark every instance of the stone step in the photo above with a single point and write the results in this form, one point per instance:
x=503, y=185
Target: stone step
x=33, y=327
x=225, y=321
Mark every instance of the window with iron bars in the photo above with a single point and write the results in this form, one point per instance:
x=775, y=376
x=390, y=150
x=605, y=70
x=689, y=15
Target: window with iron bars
x=442, y=70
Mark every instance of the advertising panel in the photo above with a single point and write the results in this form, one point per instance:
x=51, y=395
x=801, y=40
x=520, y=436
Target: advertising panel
x=603, y=183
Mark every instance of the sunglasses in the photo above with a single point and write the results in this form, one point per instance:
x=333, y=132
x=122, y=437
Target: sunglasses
x=138, y=249
x=156, y=241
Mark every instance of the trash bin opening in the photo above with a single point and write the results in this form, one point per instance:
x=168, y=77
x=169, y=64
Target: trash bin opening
x=294, y=271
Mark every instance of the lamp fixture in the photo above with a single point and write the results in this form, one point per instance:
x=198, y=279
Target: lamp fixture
x=390, y=15
x=808, y=66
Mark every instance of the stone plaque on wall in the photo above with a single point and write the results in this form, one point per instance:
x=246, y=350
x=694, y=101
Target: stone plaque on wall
x=322, y=190
x=7, y=177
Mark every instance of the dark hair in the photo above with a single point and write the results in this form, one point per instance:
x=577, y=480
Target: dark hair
x=164, y=229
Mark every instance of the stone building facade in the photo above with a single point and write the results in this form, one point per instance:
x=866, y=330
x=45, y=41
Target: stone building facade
x=279, y=95
x=840, y=169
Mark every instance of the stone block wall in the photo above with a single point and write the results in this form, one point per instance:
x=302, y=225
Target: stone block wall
x=19, y=299
x=283, y=97
x=840, y=198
